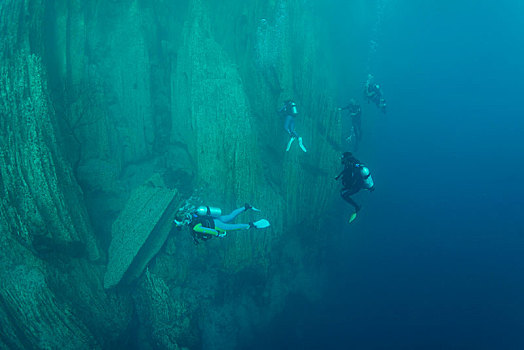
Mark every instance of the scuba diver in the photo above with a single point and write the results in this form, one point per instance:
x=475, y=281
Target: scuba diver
x=289, y=110
x=355, y=177
x=355, y=112
x=207, y=222
x=374, y=94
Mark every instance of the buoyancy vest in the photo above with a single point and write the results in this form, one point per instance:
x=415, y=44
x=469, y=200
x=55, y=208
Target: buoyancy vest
x=290, y=109
x=205, y=221
x=353, y=176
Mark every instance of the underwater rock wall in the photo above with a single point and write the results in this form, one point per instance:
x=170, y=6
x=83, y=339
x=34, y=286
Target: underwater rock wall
x=51, y=295
x=98, y=98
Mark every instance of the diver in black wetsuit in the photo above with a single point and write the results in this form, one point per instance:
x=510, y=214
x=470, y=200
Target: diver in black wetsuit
x=355, y=177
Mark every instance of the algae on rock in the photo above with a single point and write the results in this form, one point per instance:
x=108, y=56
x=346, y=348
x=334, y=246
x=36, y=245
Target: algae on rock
x=40, y=199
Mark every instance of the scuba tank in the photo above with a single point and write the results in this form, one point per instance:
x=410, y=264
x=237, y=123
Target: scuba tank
x=366, y=177
x=210, y=211
x=293, y=107
x=368, y=183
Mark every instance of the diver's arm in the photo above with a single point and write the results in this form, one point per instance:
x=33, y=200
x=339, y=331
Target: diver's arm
x=283, y=107
x=339, y=175
x=206, y=230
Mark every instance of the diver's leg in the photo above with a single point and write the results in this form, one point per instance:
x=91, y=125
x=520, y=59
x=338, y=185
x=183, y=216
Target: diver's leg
x=232, y=215
x=288, y=124
x=345, y=194
x=357, y=126
x=357, y=131
x=377, y=100
x=292, y=127
x=222, y=226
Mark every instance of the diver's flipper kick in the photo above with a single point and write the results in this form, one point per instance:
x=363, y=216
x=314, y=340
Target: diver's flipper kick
x=352, y=217
x=262, y=223
x=207, y=222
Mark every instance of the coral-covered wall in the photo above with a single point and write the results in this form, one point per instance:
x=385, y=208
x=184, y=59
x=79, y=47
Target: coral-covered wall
x=99, y=99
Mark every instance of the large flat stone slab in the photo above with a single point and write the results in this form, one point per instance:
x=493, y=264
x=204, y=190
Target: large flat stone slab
x=140, y=231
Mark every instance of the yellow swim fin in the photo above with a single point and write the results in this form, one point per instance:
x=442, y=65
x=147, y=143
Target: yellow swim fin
x=352, y=217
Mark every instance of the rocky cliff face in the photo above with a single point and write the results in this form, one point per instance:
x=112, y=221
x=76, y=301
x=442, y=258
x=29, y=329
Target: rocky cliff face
x=114, y=111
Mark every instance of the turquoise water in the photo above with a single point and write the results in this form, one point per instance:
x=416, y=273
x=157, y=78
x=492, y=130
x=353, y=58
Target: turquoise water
x=435, y=259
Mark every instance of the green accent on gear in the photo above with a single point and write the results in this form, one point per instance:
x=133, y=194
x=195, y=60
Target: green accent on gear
x=207, y=230
x=352, y=217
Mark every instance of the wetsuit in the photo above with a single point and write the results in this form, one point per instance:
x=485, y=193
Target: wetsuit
x=352, y=182
x=374, y=94
x=289, y=112
x=206, y=226
x=355, y=112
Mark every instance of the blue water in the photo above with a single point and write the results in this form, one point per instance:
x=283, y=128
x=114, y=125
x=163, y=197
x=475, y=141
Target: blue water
x=436, y=259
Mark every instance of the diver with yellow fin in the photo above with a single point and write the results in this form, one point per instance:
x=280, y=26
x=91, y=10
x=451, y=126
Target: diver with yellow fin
x=355, y=177
x=207, y=222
